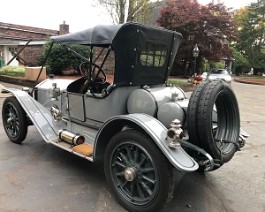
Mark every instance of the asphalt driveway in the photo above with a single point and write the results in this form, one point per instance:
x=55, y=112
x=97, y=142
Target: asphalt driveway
x=36, y=176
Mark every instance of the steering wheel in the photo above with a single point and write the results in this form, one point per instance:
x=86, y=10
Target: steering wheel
x=91, y=72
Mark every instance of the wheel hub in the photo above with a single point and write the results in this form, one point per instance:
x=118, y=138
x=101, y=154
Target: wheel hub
x=10, y=119
x=130, y=174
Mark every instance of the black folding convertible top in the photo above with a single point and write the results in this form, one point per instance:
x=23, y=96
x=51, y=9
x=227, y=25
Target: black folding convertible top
x=97, y=36
x=128, y=41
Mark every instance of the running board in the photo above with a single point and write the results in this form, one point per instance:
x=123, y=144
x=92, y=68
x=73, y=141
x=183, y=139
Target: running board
x=83, y=150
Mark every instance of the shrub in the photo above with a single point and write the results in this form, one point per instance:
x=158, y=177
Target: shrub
x=61, y=59
x=177, y=70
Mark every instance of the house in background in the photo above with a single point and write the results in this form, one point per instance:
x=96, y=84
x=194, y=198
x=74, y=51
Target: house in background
x=13, y=39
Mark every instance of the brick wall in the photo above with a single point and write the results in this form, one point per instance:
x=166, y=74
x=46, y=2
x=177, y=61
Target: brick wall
x=30, y=54
x=109, y=63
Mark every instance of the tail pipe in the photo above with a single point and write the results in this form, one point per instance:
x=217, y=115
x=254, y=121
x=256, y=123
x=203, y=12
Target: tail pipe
x=71, y=138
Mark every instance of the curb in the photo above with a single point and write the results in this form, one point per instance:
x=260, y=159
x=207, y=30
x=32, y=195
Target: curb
x=3, y=95
x=17, y=81
x=248, y=82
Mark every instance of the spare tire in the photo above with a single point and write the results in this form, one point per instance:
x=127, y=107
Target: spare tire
x=192, y=113
x=214, y=120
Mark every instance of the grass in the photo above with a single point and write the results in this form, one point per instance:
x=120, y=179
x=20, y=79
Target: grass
x=14, y=71
x=184, y=85
x=178, y=82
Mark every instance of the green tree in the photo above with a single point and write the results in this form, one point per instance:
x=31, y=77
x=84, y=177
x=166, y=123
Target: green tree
x=240, y=61
x=61, y=59
x=251, y=45
x=138, y=10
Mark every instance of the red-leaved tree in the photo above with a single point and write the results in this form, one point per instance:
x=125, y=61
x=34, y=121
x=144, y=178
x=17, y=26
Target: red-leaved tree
x=210, y=26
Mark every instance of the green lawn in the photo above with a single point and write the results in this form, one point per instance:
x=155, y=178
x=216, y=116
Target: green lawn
x=15, y=71
x=178, y=82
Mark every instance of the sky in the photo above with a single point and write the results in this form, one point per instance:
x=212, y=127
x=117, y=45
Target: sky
x=236, y=4
x=49, y=14
x=79, y=14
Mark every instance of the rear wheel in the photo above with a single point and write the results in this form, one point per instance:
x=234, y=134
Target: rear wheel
x=216, y=123
x=14, y=120
x=139, y=175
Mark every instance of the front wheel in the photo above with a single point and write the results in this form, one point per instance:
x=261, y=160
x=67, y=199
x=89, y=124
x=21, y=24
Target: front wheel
x=140, y=177
x=14, y=120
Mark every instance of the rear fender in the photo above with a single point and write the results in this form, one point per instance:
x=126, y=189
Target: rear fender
x=152, y=127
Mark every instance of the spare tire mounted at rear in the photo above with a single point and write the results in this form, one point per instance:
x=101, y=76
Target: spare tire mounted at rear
x=213, y=120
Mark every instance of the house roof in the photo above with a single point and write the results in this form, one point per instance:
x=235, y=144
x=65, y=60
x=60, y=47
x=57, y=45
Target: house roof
x=14, y=33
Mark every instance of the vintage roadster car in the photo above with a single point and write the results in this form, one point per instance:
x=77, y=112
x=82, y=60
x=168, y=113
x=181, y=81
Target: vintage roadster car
x=139, y=125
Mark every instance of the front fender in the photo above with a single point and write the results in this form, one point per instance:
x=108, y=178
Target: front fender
x=154, y=128
x=38, y=114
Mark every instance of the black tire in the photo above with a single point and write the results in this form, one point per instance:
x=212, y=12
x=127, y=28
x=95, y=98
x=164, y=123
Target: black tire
x=218, y=142
x=14, y=120
x=192, y=113
x=138, y=174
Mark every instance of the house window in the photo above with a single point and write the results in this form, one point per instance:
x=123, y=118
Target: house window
x=13, y=51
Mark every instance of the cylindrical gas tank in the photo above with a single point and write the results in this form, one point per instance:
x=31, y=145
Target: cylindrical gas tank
x=142, y=101
x=158, y=102
x=170, y=111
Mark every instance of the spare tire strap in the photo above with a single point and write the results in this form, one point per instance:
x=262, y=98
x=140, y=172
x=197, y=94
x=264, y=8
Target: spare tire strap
x=209, y=164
